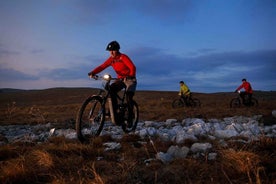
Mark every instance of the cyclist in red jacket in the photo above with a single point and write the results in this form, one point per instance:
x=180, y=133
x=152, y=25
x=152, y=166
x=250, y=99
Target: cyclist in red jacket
x=248, y=91
x=126, y=74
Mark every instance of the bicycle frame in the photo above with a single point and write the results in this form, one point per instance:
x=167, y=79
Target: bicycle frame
x=190, y=102
x=107, y=98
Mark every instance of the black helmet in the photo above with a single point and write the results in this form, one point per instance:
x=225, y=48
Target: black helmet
x=114, y=45
x=243, y=79
x=182, y=82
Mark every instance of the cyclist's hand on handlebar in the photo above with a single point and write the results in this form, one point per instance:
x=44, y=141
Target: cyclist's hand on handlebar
x=236, y=91
x=91, y=75
x=96, y=77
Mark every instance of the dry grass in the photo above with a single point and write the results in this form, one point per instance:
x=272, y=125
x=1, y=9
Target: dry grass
x=60, y=105
x=248, y=163
x=67, y=161
x=63, y=161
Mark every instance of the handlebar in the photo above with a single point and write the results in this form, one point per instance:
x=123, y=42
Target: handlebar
x=106, y=77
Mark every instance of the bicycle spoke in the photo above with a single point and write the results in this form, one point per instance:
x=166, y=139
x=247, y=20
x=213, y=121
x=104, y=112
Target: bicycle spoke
x=90, y=118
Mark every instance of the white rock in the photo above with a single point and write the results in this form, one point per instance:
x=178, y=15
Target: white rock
x=222, y=134
x=177, y=152
x=212, y=156
x=164, y=157
x=112, y=146
x=151, y=131
x=200, y=147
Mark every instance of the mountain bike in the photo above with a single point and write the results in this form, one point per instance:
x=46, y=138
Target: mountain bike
x=191, y=102
x=237, y=101
x=96, y=109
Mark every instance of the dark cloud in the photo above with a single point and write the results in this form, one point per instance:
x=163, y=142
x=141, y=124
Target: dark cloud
x=37, y=51
x=13, y=75
x=206, y=50
x=66, y=73
x=206, y=72
x=151, y=60
x=5, y=52
x=157, y=70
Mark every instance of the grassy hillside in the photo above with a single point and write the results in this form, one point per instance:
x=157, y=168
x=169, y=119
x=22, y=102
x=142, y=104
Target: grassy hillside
x=63, y=161
x=62, y=104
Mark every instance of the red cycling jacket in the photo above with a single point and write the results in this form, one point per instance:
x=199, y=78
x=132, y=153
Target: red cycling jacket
x=247, y=87
x=122, y=65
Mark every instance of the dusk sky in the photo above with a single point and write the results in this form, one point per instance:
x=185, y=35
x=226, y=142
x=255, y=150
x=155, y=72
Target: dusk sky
x=209, y=44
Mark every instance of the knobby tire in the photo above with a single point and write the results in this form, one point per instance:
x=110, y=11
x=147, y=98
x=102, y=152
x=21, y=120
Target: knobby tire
x=90, y=118
x=195, y=102
x=235, y=102
x=177, y=103
x=125, y=126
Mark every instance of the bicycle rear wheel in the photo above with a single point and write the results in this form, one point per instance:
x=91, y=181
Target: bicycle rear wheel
x=254, y=102
x=131, y=126
x=90, y=118
x=195, y=102
x=177, y=103
x=235, y=102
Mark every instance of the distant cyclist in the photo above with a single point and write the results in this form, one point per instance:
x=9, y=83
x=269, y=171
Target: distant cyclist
x=248, y=91
x=185, y=93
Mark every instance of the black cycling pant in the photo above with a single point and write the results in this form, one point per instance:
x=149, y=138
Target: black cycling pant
x=115, y=87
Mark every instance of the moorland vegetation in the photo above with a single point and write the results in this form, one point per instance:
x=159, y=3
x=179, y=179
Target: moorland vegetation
x=59, y=160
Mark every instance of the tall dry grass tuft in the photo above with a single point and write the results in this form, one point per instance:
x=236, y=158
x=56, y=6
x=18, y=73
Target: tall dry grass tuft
x=11, y=110
x=126, y=168
x=243, y=162
x=42, y=158
x=37, y=115
x=12, y=171
x=98, y=179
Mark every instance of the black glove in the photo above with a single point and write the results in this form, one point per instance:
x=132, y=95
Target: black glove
x=236, y=91
x=90, y=74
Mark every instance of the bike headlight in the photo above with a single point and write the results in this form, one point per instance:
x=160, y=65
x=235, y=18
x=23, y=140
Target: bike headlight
x=107, y=77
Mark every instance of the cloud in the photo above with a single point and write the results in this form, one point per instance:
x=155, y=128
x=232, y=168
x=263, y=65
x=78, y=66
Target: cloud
x=10, y=75
x=37, y=51
x=158, y=70
x=206, y=72
x=7, y=53
x=65, y=73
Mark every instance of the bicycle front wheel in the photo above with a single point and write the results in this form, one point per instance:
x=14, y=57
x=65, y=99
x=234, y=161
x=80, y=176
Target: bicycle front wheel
x=177, y=103
x=90, y=118
x=130, y=123
x=235, y=102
